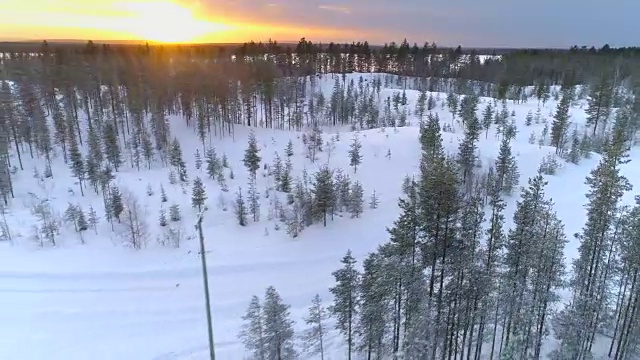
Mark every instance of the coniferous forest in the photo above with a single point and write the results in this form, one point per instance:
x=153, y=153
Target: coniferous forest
x=456, y=276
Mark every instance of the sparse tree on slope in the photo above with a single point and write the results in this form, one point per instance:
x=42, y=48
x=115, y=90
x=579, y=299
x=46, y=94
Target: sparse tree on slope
x=374, y=305
x=487, y=118
x=561, y=122
x=254, y=200
x=252, y=334
x=213, y=163
x=278, y=327
x=599, y=103
x=134, y=223
x=241, y=209
x=314, y=335
x=252, y=158
x=323, y=192
x=506, y=175
x=355, y=157
x=77, y=163
x=199, y=195
x=345, y=301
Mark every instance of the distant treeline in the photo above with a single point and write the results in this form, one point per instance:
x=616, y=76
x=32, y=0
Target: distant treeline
x=507, y=67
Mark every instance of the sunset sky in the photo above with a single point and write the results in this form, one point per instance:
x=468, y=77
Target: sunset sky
x=542, y=23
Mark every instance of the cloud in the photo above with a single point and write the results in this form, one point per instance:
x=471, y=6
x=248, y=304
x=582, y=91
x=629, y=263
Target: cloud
x=335, y=8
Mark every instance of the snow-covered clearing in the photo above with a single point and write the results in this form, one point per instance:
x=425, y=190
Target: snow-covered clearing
x=105, y=301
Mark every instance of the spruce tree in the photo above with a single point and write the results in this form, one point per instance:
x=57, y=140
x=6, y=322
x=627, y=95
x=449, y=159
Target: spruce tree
x=355, y=157
x=289, y=149
x=487, y=117
x=162, y=220
x=214, y=167
x=254, y=200
x=163, y=194
x=174, y=212
x=198, y=195
x=241, y=209
x=278, y=327
x=116, y=205
x=77, y=163
x=252, y=158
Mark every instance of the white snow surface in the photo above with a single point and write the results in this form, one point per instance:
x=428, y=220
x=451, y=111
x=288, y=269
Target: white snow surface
x=103, y=300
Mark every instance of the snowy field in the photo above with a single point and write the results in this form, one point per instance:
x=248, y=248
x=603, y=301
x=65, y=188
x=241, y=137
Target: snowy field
x=105, y=301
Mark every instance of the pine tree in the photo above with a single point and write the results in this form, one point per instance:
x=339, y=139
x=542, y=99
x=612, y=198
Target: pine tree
x=253, y=332
x=241, y=209
x=371, y=324
x=323, y=191
x=149, y=190
x=599, y=103
x=116, y=205
x=278, y=327
x=487, y=117
x=198, y=195
x=452, y=104
x=313, y=336
x=71, y=215
x=356, y=200
x=111, y=146
x=534, y=271
x=421, y=105
x=467, y=149
x=506, y=167
x=593, y=268
x=561, y=122
x=355, y=157
x=252, y=158
x=77, y=163
x=176, y=160
x=345, y=301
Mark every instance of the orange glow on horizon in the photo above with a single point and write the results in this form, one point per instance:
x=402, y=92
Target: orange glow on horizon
x=166, y=21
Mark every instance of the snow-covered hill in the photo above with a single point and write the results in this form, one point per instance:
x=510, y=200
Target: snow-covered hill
x=104, y=300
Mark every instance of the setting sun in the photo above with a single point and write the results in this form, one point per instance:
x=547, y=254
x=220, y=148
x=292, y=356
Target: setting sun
x=167, y=22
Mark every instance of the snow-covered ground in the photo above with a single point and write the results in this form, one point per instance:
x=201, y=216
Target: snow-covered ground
x=105, y=301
